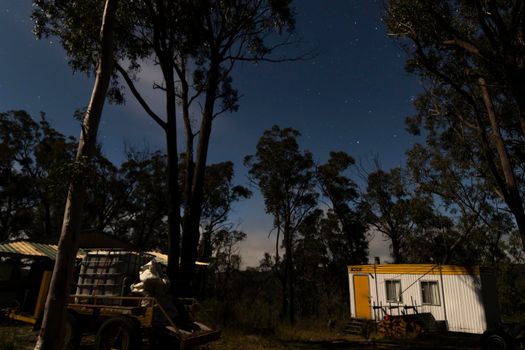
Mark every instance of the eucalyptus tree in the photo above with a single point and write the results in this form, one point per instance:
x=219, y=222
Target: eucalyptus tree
x=469, y=55
x=473, y=224
x=347, y=241
x=106, y=196
x=17, y=199
x=52, y=329
x=52, y=153
x=196, y=45
x=140, y=205
x=392, y=207
x=220, y=236
x=220, y=193
x=36, y=159
x=285, y=175
x=313, y=266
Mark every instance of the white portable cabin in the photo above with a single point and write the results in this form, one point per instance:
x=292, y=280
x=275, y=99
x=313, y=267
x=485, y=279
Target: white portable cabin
x=464, y=297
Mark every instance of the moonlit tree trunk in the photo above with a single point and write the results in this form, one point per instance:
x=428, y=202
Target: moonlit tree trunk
x=51, y=334
x=191, y=222
x=508, y=187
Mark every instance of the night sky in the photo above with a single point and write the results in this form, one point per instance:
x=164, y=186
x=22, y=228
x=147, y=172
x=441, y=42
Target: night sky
x=353, y=96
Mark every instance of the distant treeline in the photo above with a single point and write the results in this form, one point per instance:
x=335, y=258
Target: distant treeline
x=322, y=221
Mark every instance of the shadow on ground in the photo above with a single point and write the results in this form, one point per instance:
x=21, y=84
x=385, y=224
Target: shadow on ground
x=447, y=341
x=22, y=337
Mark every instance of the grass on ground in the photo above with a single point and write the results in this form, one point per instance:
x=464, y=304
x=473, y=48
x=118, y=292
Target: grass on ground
x=21, y=337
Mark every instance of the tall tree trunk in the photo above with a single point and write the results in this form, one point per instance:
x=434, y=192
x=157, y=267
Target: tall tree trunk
x=516, y=78
x=290, y=278
x=185, y=277
x=396, y=249
x=51, y=334
x=173, y=179
x=188, y=177
x=190, y=239
x=205, y=256
x=512, y=195
x=284, y=294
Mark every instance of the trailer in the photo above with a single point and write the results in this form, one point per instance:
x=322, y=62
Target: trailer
x=102, y=301
x=442, y=297
x=135, y=320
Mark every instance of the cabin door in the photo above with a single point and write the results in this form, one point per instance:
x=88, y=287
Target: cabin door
x=362, y=297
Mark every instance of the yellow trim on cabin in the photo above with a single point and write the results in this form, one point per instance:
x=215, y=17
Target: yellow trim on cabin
x=414, y=269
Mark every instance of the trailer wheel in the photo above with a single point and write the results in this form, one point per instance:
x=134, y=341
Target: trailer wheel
x=496, y=340
x=73, y=335
x=118, y=333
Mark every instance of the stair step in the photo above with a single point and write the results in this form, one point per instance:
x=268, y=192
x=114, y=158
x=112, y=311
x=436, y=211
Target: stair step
x=355, y=326
x=351, y=326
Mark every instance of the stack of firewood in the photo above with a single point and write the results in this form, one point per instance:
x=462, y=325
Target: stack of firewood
x=397, y=327
x=392, y=327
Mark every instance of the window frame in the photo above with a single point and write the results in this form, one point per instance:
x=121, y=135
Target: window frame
x=400, y=296
x=438, y=294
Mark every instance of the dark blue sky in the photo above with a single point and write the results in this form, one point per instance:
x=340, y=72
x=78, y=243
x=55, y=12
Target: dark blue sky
x=353, y=97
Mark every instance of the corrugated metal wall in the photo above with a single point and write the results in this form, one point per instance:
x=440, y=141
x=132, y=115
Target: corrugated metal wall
x=465, y=310
x=462, y=299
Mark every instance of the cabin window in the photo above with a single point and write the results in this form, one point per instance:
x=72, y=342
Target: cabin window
x=430, y=292
x=393, y=291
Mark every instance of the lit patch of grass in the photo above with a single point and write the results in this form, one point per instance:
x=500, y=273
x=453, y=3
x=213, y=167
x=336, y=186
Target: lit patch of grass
x=313, y=332
x=17, y=337
x=234, y=341
x=282, y=337
x=305, y=333
x=8, y=341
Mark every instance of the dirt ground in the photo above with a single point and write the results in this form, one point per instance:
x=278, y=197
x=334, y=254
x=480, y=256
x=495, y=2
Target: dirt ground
x=21, y=337
x=441, y=341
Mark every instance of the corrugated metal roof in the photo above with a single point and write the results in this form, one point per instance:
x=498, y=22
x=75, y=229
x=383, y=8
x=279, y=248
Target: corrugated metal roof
x=26, y=248
x=49, y=250
x=32, y=249
x=162, y=258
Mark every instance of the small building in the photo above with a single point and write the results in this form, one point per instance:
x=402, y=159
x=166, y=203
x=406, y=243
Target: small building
x=26, y=268
x=464, y=299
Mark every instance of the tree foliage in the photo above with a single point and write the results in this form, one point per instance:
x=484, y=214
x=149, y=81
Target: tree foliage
x=195, y=45
x=391, y=209
x=469, y=55
x=53, y=319
x=477, y=224
x=220, y=194
x=344, y=221
x=34, y=162
x=285, y=176
x=318, y=241
x=36, y=167
x=141, y=215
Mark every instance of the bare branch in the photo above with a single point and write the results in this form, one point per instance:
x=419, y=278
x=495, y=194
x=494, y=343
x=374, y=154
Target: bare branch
x=158, y=87
x=139, y=98
x=468, y=46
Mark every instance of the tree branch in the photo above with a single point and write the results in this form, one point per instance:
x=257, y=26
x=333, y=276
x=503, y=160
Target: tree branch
x=139, y=98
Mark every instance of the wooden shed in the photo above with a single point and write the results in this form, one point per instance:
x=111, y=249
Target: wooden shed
x=463, y=298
